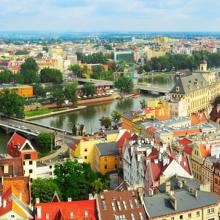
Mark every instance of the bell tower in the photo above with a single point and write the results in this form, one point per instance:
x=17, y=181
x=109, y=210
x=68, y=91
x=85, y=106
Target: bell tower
x=203, y=66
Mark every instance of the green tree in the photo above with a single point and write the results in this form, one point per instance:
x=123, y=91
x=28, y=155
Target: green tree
x=51, y=75
x=57, y=95
x=97, y=72
x=143, y=103
x=44, y=189
x=29, y=71
x=76, y=70
x=105, y=122
x=124, y=84
x=89, y=89
x=11, y=103
x=95, y=58
x=77, y=180
x=38, y=90
x=70, y=91
x=22, y=52
x=116, y=116
x=45, y=142
x=6, y=76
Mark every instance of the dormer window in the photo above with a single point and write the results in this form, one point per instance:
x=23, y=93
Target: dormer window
x=177, y=89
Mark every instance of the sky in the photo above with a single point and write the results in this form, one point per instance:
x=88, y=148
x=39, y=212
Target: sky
x=109, y=15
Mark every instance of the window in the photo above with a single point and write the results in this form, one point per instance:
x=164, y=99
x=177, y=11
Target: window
x=116, y=166
x=124, y=204
x=141, y=216
x=71, y=214
x=30, y=162
x=172, y=218
x=27, y=156
x=106, y=167
x=132, y=216
x=197, y=213
x=189, y=215
x=181, y=216
x=85, y=157
x=85, y=150
x=119, y=206
x=30, y=171
x=113, y=206
x=131, y=204
x=177, y=88
x=24, y=163
x=12, y=216
x=86, y=214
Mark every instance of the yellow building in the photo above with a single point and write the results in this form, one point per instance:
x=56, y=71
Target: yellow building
x=22, y=90
x=106, y=157
x=85, y=148
x=194, y=93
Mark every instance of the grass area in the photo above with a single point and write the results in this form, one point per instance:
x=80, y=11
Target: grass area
x=39, y=111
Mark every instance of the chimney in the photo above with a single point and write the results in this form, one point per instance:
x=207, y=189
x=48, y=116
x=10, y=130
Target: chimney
x=69, y=199
x=173, y=200
x=37, y=200
x=167, y=186
x=38, y=211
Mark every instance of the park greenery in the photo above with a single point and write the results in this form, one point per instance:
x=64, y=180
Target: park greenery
x=11, y=103
x=94, y=58
x=70, y=92
x=124, y=84
x=177, y=62
x=72, y=180
x=116, y=116
x=22, y=52
x=50, y=75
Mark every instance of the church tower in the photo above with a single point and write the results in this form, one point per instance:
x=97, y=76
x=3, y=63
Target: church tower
x=203, y=66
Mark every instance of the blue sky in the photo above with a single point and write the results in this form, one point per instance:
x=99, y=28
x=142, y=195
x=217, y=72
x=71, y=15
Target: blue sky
x=110, y=15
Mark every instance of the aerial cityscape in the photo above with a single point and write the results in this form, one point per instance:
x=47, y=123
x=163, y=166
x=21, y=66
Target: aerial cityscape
x=109, y=110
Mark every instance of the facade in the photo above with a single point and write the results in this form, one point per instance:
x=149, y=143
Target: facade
x=20, y=147
x=194, y=93
x=113, y=205
x=106, y=157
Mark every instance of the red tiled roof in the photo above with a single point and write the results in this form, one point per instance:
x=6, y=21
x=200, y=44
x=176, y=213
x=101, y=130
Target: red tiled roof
x=187, y=149
x=157, y=169
x=64, y=210
x=14, y=145
x=185, y=141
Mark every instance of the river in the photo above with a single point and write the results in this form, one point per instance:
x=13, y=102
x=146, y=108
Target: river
x=90, y=116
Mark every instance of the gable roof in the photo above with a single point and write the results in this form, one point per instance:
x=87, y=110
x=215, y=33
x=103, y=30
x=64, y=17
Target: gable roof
x=190, y=83
x=108, y=148
x=160, y=205
x=64, y=210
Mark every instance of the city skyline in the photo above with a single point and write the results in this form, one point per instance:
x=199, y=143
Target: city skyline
x=106, y=15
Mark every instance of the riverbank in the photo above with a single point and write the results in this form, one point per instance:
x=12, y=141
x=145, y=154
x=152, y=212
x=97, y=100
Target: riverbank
x=54, y=112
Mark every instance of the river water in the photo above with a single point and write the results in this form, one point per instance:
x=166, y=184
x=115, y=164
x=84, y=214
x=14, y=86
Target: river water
x=90, y=116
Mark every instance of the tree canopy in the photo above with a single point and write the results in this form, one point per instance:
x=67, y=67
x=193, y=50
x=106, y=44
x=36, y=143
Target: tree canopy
x=11, y=103
x=105, y=122
x=51, y=75
x=77, y=180
x=6, y=76
x=89, y=89
x=70, y=92
x=95, y=58
x=124, y=84
x=44, y=142
x=29, y=71
x=44, y=189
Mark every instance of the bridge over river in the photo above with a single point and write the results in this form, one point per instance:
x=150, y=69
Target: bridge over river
x=32, y=129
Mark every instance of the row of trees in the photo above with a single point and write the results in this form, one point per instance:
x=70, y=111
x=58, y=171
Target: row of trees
x=72, y=179
x=181, y=61
x=29, y=74
x=97, y=72
x=94, y=58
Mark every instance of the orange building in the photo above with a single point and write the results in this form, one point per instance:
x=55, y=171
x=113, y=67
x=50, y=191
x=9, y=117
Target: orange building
x=22, y=90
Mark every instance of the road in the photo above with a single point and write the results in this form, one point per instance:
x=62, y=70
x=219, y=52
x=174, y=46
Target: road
x=64, y=136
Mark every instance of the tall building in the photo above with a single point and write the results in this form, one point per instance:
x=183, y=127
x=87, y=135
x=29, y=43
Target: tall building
x=194, y=93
